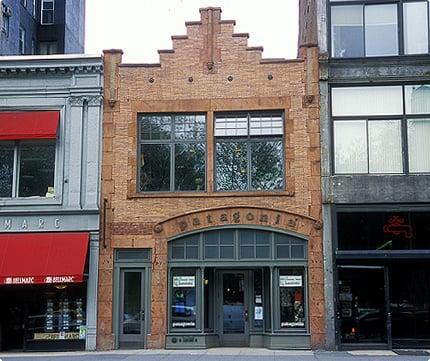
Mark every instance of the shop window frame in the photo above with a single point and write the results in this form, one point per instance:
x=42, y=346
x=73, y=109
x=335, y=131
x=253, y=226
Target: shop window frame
x=403, y=117
x=400, y=27
x=172, y=141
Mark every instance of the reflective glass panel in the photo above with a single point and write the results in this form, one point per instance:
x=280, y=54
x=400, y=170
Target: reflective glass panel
x=231, y=166
x=381, y=31
x=37, y=168
x=184, y=303
x=155, y=167
x=132, y=303
x=291, y=298
x=6, y=169
x=190, y=167
x=419, y=145
x=415, y=24
x=266, y=165
x=417, y=98
x=347, y=31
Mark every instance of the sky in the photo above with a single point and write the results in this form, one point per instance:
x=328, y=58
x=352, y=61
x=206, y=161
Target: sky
x=141, y=27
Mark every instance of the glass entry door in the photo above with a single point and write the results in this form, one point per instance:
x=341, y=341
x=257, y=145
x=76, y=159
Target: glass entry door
x=362, y=316
x=234, y=310
x=132, y=309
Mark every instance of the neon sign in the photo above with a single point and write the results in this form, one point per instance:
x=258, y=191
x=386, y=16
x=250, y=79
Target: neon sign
x=396, y=225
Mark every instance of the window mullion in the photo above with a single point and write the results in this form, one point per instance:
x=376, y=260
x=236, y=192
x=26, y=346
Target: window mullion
x=15, y=179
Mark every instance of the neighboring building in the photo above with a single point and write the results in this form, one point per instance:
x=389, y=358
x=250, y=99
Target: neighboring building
x=375, y=131
x=211, y=192
x=50, y=134
x=42, y=27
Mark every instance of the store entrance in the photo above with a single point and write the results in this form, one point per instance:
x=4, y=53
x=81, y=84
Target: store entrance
x=362, y=305
x=234, y=308
x=132, y=310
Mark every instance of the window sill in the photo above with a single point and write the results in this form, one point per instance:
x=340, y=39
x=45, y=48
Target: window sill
x=210, y=194
x=33, y=201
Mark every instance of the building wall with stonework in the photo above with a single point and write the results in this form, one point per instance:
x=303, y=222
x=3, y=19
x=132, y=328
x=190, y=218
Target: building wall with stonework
x=209, y=70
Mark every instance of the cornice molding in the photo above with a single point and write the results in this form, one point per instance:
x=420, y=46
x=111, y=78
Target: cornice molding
x=92, y=100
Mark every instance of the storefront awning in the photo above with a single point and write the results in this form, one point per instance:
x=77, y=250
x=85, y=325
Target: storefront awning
x=29, y=125
x=42, y=258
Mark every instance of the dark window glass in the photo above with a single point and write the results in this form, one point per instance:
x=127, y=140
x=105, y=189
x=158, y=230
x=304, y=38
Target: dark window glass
x=178, y=252
x=155, y=167
x=347, y=31
x=291, y=298
x=231, y=166
x=6, y=169
x=262, y=252
x=132, y=303
x=132, y=254
x=226, y=252
x=175, y=147
x=192, y=252
x=247, y=252
x=190, y=167
x=211, y=238
x=226, y=236
x=297, y=251
x=258, y=319
x=37, y=168
x=266, y=165
x=383, y=231
x=211, y=252
x=184, y=304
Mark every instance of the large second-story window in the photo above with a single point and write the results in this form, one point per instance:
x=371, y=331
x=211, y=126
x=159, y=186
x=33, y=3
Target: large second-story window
x=365, y=29
x=375, y=132
x=47, y=15
x=172, y=152
x=249, y=151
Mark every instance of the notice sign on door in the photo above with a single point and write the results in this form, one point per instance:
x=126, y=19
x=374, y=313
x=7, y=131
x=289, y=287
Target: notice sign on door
x=290, y=281
x=184, y=281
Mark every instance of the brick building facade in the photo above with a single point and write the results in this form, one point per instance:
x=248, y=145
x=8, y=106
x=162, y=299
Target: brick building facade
x=211, y=193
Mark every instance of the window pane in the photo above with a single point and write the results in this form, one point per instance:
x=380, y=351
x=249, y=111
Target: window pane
x=266, y=125
x=246, y=236
x=262, y=252
x=350, y=146
x=226, y=236
x=132, y=303
x=291, y=298
x=419, y=145
x=347, y=31
x=211, y=238
x=415, y=27
x=417, y=98
x=231, y=167
x=247, y=252
x=155, y=167
x=190, y=127
x=6, y=169
x=192, y=252
x=385, y=146
x=262, y=238
x=375, y=100
x=381, y=30
x=283, y=251
x=297, y=251
x=190, y=167
x=211, y=252
x=178, y=252
x=227, y=252
x=37, y=167
x=155, y=127
x=184, y=305
x=266, y=165
x=232, y=125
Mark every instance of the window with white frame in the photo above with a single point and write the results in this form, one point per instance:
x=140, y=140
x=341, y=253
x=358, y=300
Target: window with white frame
x=21, y=41
x=47, y=14
x=368, y=29
x=27, y=168
x=373, y=134
x=249, y=151
x=34, y=8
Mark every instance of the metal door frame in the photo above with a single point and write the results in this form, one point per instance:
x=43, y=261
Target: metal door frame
x=137, y=341
x=243, y=340
x=365, y=345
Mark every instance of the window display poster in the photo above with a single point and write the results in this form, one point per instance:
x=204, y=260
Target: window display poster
x=258, y=312
x=290, y=281
x=184, y=281
x=82, y=332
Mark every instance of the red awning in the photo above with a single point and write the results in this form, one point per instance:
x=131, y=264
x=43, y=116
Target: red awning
x=28, y=125
x=39, y=258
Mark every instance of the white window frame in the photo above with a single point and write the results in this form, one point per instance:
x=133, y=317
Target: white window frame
x=42, y=10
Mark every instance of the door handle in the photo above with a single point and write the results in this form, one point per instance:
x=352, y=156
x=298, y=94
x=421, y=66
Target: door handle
x=246, y=315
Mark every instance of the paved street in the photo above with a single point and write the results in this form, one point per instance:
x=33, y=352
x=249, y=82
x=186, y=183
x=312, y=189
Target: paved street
x=217, y=354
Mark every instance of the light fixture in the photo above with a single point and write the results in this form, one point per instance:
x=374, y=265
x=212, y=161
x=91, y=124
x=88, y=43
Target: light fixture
x=60, y=286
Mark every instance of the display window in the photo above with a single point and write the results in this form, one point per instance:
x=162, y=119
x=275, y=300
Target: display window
x=183, y=301
x=292, y=298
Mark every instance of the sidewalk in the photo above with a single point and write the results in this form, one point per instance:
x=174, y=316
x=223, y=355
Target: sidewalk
x=216, y=354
